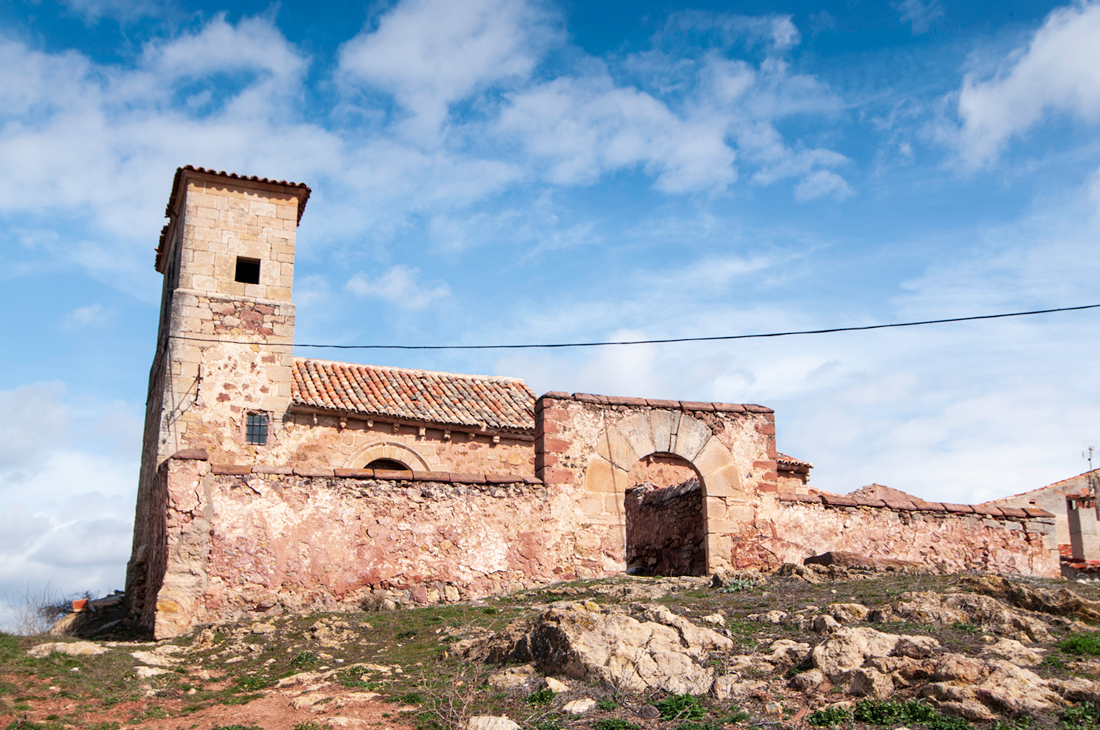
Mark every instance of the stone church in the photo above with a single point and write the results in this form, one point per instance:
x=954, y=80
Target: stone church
x=272, y=483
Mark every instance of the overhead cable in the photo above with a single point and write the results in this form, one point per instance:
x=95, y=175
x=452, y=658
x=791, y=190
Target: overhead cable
x=670, y=340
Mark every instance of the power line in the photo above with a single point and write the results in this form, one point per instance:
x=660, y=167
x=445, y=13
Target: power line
x=716, y=338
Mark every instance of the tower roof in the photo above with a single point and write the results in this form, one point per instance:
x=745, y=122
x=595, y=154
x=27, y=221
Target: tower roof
x=301, y=190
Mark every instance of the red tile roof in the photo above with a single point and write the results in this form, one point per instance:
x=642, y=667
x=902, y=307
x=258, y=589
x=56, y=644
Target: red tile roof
x=416, y=395
x=790, y=462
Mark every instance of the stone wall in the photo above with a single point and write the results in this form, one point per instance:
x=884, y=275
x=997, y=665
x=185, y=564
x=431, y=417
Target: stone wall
x=263, y=540
x=1052, y=498
x=953, y=538
x=590, y=443
x=665, y=530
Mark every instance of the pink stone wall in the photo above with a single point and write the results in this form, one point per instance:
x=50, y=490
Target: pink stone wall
x=954, y=540
x=241, y=542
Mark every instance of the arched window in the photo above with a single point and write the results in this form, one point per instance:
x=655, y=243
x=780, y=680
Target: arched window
x=387, y=464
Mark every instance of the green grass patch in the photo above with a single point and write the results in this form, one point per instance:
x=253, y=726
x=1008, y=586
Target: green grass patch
x=736, y=585
x=607, y=704
x=236, y=727
x=893, y=712
x=248, y=683
x=305, y=659
x=1085, y=716
x=966, y=628
x=542, y=696
x=829, y=717
x=680, y=707
x=614, y=723
x=1082, y=644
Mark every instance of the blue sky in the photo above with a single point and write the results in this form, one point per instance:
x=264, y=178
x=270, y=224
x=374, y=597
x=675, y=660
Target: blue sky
x=520, y=171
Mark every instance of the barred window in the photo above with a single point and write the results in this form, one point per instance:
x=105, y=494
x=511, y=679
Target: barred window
x=256, y=429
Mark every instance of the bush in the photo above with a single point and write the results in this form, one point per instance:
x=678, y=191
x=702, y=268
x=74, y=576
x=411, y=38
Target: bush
x=1081, y=644
x=829, y=717
x=1083, y=717
x=543, y=696
x=680, y=707
x=892, y=712
x=735, y=585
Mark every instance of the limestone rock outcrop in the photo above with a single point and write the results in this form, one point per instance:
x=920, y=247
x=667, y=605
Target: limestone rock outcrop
x=644, y=649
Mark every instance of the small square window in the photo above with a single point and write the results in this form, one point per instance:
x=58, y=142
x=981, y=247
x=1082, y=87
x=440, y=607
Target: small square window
x=255, y=431
x=248, y=270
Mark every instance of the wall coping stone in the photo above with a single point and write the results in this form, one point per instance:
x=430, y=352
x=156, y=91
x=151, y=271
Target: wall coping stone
x=313, y=472
x=614, y=400
x=233, y=469
x=840, y=500
x=381, y=474
x=191, y=455
x=261, y=469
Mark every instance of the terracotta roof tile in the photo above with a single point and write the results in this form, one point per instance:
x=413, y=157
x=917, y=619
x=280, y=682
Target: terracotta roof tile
x=416, y=395
x=790, y=462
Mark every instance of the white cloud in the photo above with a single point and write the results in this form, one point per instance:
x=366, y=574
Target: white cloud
x=399, y=286
x=121, y=10
x=32, y=420
x=430, y=54
x=584, y=127
x=1058, y=72
x=778, y=31
x=919, y=14
x=93, y=316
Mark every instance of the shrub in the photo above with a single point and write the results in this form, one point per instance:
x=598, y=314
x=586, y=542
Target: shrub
x=734, y=585
x=1082, y=717
x=892, y=712
x=543, y=696
x=680, y=707
x=607, y=704
x=1081, y=644
x=829, y=717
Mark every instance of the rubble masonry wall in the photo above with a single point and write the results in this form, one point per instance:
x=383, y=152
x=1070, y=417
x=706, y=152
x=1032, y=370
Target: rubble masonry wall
x=954, y=538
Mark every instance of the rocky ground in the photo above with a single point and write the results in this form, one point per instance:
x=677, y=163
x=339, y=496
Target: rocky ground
x=814, y=645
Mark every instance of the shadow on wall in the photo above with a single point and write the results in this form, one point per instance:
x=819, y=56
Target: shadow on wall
x=665, y=524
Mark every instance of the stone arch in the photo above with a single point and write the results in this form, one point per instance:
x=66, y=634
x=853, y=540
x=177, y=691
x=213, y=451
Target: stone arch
x=679, y=434
x=387, y=450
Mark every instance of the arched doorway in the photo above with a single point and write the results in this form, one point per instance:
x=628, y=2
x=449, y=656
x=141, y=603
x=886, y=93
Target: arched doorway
x=665, y=518
x=727, y=509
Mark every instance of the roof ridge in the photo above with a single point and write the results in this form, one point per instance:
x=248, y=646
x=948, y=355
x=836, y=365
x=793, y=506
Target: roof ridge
x=394, y=368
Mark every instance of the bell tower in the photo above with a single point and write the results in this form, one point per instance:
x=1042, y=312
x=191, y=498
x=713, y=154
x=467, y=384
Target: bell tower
x=221, y=374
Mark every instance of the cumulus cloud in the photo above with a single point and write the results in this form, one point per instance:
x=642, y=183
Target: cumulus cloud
x=430, y=54
x=399, y=286
x=584, y=127
x=778, y=32
x=1057, y=73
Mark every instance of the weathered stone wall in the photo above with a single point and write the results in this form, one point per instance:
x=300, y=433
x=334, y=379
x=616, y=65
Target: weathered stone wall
x=260, y=540
x=665, y=533
x=954, y=538
x=590, y=443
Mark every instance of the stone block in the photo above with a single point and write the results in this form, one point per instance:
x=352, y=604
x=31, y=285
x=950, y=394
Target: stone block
x=638, y=432
x=713, y=457
x=691, y=436
x=716, y=508
x=725, y=482
x=663, y=426
x=602, y=476
x=619, y=451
